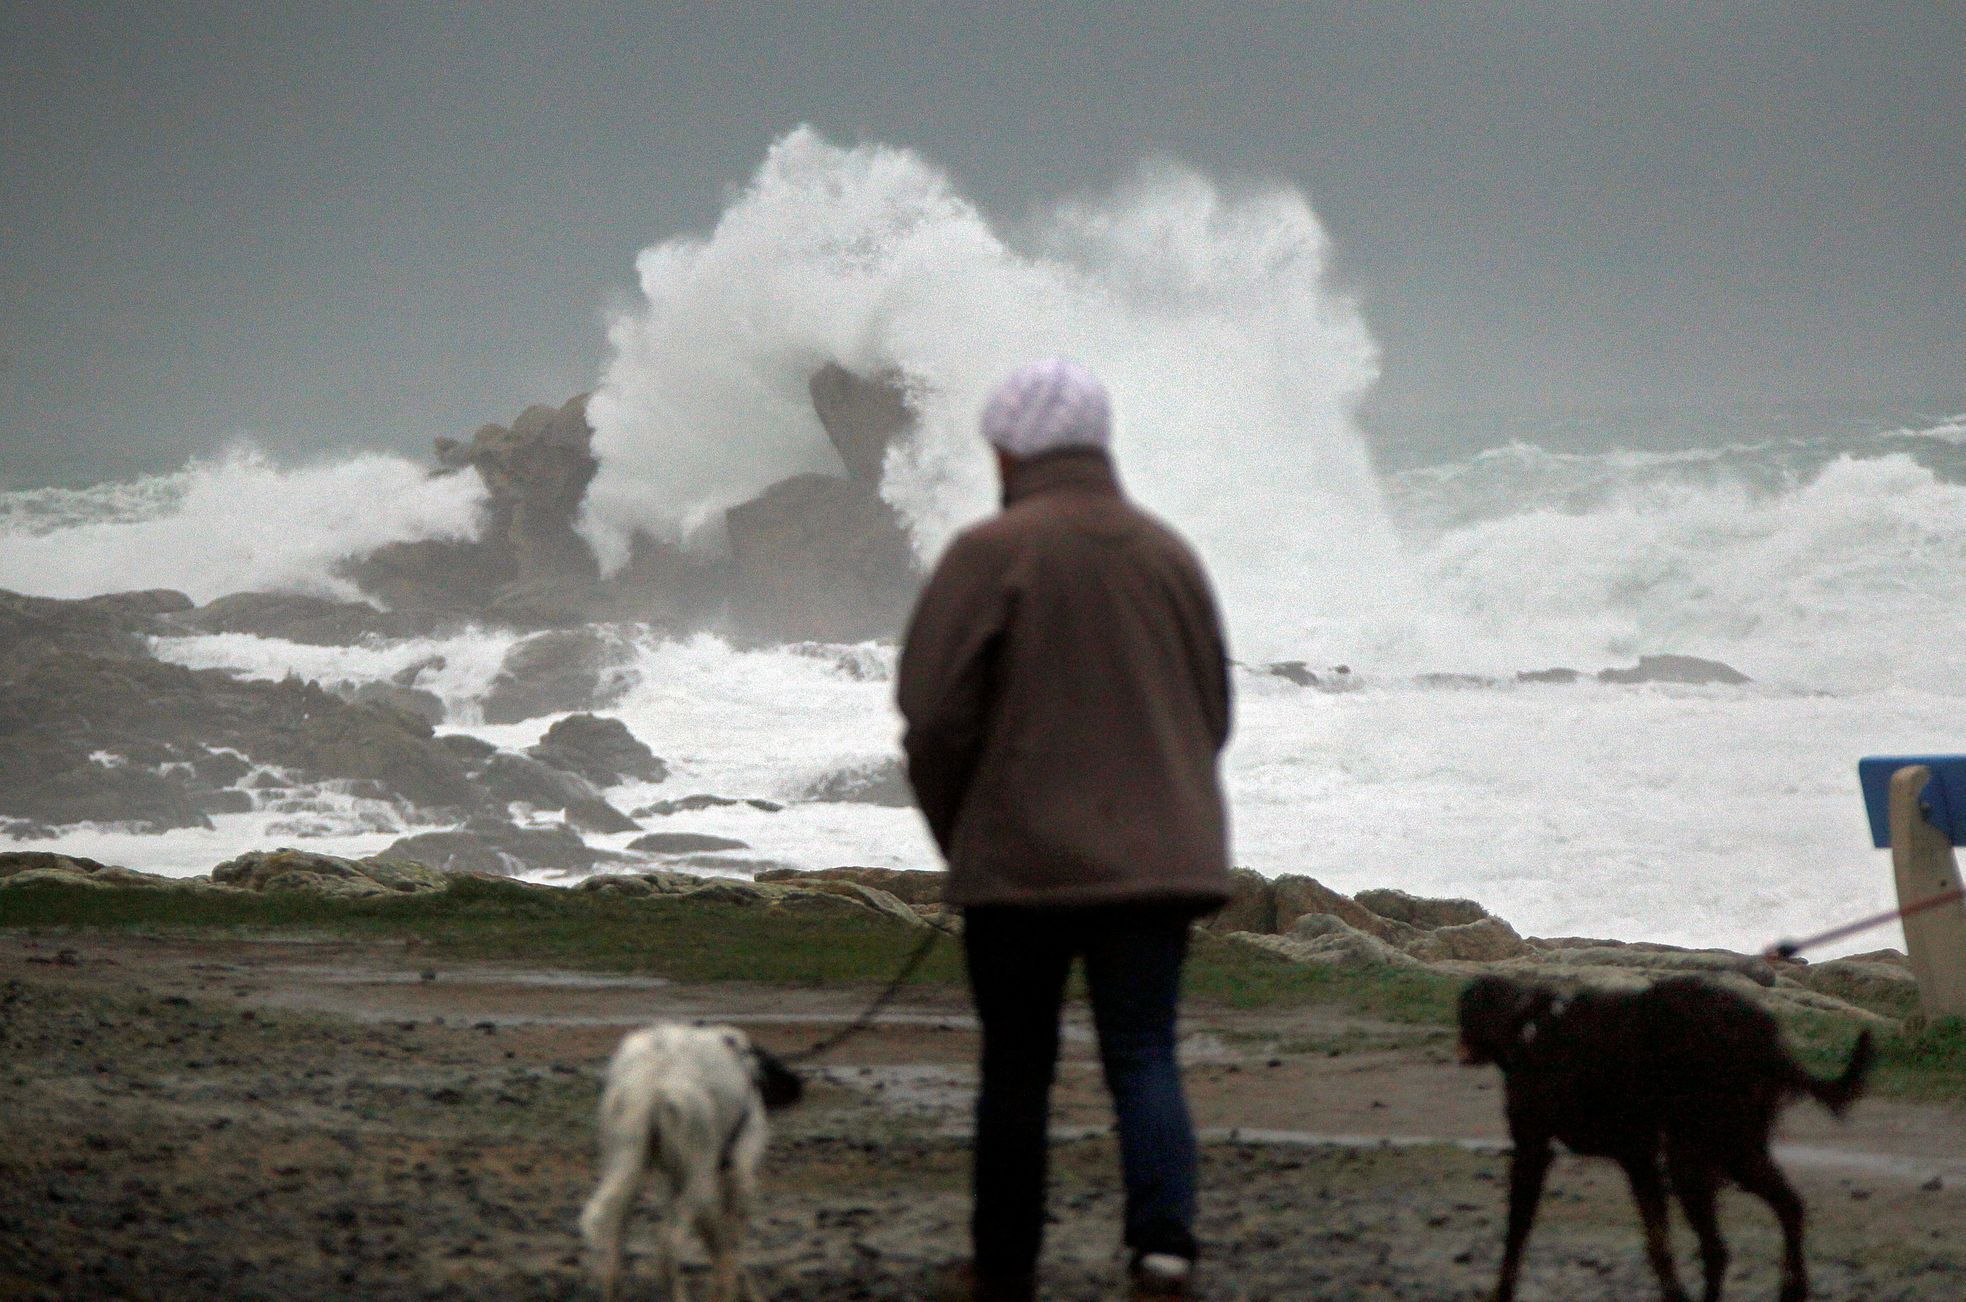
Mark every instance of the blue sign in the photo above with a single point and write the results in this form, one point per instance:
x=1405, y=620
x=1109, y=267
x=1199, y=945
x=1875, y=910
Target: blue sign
x=1943, y=801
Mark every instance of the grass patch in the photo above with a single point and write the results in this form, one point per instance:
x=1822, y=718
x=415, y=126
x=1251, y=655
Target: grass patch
x=684, y=940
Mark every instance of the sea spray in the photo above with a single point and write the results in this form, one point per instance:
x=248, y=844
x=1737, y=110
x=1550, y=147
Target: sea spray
x=240, y=523
x=1234, y=368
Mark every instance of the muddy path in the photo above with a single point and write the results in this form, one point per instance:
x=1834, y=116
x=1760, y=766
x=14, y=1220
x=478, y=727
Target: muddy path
x=223, y=1119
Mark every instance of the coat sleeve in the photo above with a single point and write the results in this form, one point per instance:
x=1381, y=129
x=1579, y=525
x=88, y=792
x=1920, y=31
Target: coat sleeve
x=946, y=680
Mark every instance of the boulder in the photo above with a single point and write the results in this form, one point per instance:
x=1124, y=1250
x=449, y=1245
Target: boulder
x=819, y=558
x=1859, y=980
x=27, y=867
x=862, y=415
x=510, y=776
x=878, y=782
x=1297, y=895
x=549, y=673
x=497, y=848
x=1418, y=911
x=1252, y=905
x=868, y=897
x=1293, y=671
x=288, y=869
x=911, y=886
x=599, y=749
x=1675, y=669
x=1548, y=676
x=684, y=843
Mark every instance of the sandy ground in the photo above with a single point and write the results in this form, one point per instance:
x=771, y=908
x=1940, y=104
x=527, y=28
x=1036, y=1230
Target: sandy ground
x=280, y=1119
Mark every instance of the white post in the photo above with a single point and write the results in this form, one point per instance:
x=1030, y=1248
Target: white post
x=1921, y=856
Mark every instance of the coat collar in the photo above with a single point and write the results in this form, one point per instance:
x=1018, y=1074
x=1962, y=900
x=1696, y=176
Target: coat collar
x=1081, y=470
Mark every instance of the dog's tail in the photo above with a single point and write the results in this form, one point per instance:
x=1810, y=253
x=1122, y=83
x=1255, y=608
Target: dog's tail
x=1837, y=1093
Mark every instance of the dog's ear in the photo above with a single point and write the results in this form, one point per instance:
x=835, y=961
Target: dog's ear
x=778, y=1085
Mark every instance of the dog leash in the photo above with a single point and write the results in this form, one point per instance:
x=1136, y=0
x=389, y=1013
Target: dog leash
x=1790, y=948
x=873, y=1010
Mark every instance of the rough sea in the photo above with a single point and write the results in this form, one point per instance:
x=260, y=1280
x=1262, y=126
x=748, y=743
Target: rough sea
x=1829, y=566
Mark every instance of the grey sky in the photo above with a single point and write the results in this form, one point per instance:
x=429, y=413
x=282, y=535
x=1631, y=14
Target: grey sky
x=331, y=225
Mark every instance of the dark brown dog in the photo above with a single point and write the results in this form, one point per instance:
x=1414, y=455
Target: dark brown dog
x=1685, y=1071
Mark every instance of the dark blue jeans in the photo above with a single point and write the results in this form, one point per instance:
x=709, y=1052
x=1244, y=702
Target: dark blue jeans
x=1018, y=960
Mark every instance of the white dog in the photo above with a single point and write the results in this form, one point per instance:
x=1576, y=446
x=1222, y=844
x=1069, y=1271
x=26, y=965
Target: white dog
x=686, y=1103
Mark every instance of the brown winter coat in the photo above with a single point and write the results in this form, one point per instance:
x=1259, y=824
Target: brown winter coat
x=1066, y=693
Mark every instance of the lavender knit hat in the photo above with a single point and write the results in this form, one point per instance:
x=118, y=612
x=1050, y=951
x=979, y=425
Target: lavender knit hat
x=1048, y=405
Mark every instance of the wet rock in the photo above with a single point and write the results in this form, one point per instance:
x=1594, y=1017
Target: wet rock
x=471, y=751
x=880, y=782
x=110, y=627
x=684, y=843
x=144, y=717
x=552, y=672
x=819, y=558
x=297, y=617
x=1675, y=669
x=862, y=415
x=1418, y=911
x=412, y=701
x=513, y=777
x=535, y=473
x=602, y=750
x=1548, y=676
x=911, y=886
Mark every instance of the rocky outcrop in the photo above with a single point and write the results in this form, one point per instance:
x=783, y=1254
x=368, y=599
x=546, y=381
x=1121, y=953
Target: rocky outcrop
x=548, y=673
x=110, y=627
x=297, y=617
x=413, y=701
x=152, y=746
x=862, y=415
x=497, y=848
x=818, y=558
x=691, y=804
x=326, y=874
x=599, y=749
x=511, y=777
x=912, y=886
x=535, y=473
x=1417, y=911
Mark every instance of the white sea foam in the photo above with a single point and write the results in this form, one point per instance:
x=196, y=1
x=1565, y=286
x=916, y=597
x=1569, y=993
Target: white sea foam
x=237, y=524
x=1234, y=368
